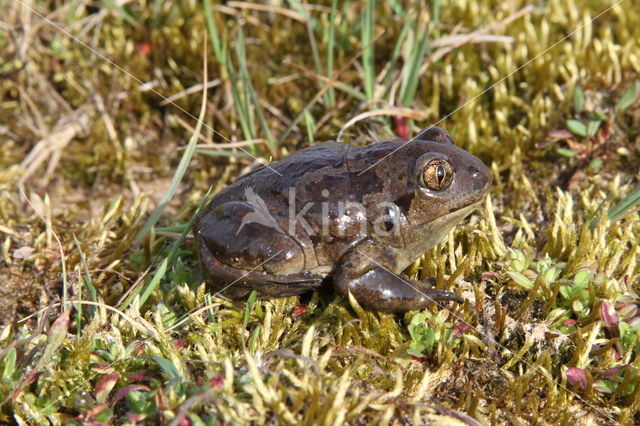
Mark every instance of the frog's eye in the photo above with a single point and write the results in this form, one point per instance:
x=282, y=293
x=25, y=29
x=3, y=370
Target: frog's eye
x=437, y=174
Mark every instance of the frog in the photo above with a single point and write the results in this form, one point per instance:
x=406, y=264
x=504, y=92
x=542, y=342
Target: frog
x=354, y=217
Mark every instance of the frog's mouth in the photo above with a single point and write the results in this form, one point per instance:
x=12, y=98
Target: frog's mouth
x=438, y=228
x=457, y=215
x=465, y=211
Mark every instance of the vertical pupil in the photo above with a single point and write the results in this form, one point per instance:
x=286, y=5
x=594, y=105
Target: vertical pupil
x=440, y=174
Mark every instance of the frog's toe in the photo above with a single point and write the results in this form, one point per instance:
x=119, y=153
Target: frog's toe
x=437, y=295
x=382, y=290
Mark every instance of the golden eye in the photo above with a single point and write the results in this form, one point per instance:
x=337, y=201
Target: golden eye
x=437, y=174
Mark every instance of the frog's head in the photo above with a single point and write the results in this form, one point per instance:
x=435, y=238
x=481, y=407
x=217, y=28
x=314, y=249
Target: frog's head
x=445, y=182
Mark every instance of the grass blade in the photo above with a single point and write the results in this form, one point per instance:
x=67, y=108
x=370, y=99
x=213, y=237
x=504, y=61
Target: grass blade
x=625, y=206
x=246, y=79
x=167, y=367
x=213, y=33
x=578, y=99
x=368, y=54
x=436, y=18
x=391, y=65
x=410, y=74
x=310, y=124
x=147, y=289
x=629, y=97
x=219, y=153
x=239, y=104
x=182, y=166
x=331, y=34
x=310, y=31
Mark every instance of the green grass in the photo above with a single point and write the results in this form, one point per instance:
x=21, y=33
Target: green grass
x=114, y=323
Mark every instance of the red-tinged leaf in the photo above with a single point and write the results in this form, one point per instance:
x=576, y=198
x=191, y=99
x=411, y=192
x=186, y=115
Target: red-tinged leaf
x=136, y=376
x=569, y=322
x=161, y=400
x=577, y=377
x=102, y=368
x=184, y=421
x=576, y=146
x=104, y=387
x=61, y=324
x=458, y=330
x=136, y=418
x=57, y=334
x=180, y=344
x=96, y=409
x=402, y=127
x=486, y=276
x=299, y=311
x=217, y=381
x=626, y=310
x=560, y=134
x=613, y=371
x=575, y=179
x=544, y=143
x=605, y=132
x=610, y=318
x=31, y=377
x=616, y=354
x=144, y=48
x=87, y=421
x=122, y=392
x=420, y=359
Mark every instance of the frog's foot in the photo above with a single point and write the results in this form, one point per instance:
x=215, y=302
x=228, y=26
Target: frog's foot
x=382, y=290
x=366, y=272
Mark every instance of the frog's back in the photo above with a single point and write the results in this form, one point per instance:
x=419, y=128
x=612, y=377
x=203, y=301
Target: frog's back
x=274, y=180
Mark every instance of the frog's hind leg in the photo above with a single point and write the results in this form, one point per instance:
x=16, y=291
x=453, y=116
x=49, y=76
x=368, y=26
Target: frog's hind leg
x=366, y=273
x=241, y=251
x=246, y=238
x=235, y=284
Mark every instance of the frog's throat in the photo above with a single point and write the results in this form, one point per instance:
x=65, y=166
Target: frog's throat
x=440, y=227
x=435, y=231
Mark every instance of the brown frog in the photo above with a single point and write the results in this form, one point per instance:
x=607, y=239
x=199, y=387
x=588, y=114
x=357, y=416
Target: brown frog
x=357, y=216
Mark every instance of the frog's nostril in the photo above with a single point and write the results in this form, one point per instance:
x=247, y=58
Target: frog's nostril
x=473, y=170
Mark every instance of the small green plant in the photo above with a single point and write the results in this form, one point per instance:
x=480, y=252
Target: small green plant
x=428, y=330
x=576, y=293
x=524, y=271
x=622, y=380
x=423, y=337
x=629, y=336
x=593, y=125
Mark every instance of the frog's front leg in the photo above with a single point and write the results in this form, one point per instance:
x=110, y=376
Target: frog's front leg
x=366, y=271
